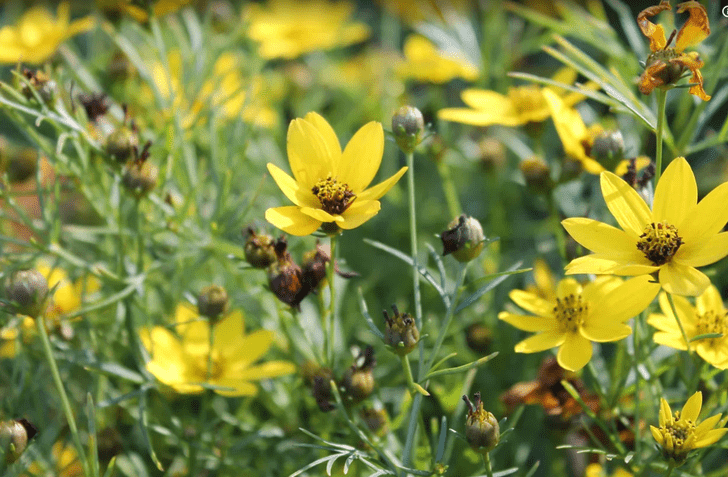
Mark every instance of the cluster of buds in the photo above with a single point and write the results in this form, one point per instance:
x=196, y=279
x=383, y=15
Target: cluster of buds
x=212, y=302
x=14, y=437
x=401, y=332
x=27, y=292
x=355, y=385
x=140, y=176
x=482, y=430
x=38, y=83
x=464, y=239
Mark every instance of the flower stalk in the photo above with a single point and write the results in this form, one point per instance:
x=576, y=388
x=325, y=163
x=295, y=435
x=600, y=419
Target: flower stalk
x=661, y=103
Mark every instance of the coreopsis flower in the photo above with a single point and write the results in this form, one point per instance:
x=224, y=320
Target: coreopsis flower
x=330, y=186
x=596, y=470
x=679, y=433
x=181, y=360
x=425, y=63
x=289, y=28
x=37, y=34
x=673, y=238
x=64, y=460
x=666, y=65
x=522, y=104
x=706, y=317
x=579, y=315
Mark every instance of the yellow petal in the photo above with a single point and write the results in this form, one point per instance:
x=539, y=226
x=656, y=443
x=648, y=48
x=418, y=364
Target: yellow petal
x=362, y=157
x=600, y=237
x=691, y=409
x=479, y=117
x=655, y=33
x=602, y=264
x=651, y=78
x=570, y=128
x=708, y=424
x=358, y=213
x=540, y=342
x=245, y=350
x=657, y=435
x=327, y=132
x=574, y=353
x=625, y=204
x=603, y=285
x=604, y=331
x=229, y=332
x=291, y=188
x=683, y=279
x=291, y=220
x=709, y=301
x=707, y=219
x=710, y=354
x=532, y=303
x=711, y=437
x=695, y=29
x=269, y=369
x=568, y=286
x=321, y=215
x=240, y=387
x=672, y=340
x=685, y=312
x=528, y=322
x=377, y=192
x=543, y=277
x=676, y=194
x=709, y=251
x=625, y=301
x=665, y=412
x=308, y=153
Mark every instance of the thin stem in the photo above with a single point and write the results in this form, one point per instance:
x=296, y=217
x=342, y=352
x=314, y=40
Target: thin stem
x=661, y=102
x=330, y=320
x=413, y=239
x=139, y=236
x=40, y=324
x=205, y=399
x=637, y=401
x=408, y=374
x=557, y=227
x=670, y=468
x=448, y=186
x=488, y=466
x=679, y=323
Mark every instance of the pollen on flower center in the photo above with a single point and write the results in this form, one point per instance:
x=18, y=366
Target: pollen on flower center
x=216, y=366
x=526, y=98
x=711, y=322
x=659, y=242
x=334, y=197
x=570, y=312
x=680, y=431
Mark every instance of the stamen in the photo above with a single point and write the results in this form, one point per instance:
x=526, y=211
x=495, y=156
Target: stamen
x=335, y=198
x=659, y=242
x=711, y=322
x=570, y=312
x=669, y=40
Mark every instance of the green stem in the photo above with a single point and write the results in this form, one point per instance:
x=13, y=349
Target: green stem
x=488, y=466
x=557, y=227
x=408, y=375
x=330, y=317
x=679, y=323
x=139, y=237
x=204, y=400
x=40, y=324
x=413, y=239
x=448, y=316
x=448, y=186
x=670, y=468
x=637, y=401
x=661, y=102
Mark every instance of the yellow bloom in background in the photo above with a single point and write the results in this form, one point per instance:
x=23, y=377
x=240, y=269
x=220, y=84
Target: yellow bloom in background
x=596, y=470
x=181, y=361
x=666, y=65
x=572, y=131
x=290, y=28
x=680, y=433
x=37, y=35
x=579, y=315
x=66, y=460
x=544, y=281
x=330, y=186
x=139, y=13
x=522, y=104
x=708, y=316
x=425, y=63
x=673, y=238
x=413, y=12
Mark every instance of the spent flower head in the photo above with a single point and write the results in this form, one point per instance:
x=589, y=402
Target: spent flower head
x=673, y=238
x=482, y=430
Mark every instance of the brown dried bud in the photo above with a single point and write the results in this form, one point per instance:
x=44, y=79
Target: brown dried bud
x=376, y=420
x=259, y=249
x=27, y=292
x=464, y=238
x=14, y=437
x=321, y=388
x=481, y=427
x=212, y=301
x=95, y=105
x=39, y=81
x=408, y=125
x=401, y=332
x=358, y=380
x=314, y=267
x=285, y=278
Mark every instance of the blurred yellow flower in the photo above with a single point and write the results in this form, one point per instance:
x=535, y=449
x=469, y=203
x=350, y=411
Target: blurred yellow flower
x=290, y=28
x=66, y=460
x=596, y=470
x=433, y=11
x=522, y=104
x=708, y=316
x=139, y=13
x=37, y=35
x=673, y=238
x=666, y=65
x=330, y=186
x=544, y=285
x=680, y=433
x=425, y=63
x=182, y=362
x=579, y=315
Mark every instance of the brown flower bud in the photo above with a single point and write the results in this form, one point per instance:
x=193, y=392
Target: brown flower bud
x=212, y=301
x=27, y=292
x=314, y=267
x=358, y=380
x=39, y=81
x=376, y=420
x=401, y=332
x=95, y=105
x=259, y=249
x=478, y=337
x=481, y=427
x=464, y=238
x=285, y=276
x=408, y=125
x=121, y=143
x=14, y=437
x=140, y=176
x=321, y=388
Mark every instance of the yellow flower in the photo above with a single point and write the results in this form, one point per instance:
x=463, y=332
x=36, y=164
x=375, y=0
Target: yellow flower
x=673, y=238
x=522, y=104
x=66, y=460
x=708, y=316
x=544, y=281
x=680, y=433
x=37, y=35
x=666, y=65
x=290, y=28
x=329, y=186
x=182, y=363
x=596, y=470
x=578, y=315
x=426, y=64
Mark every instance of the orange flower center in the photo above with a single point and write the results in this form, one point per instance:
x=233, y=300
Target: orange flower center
x=711, y=322
x=659, y=242
x=334, y=197
x=570, y=312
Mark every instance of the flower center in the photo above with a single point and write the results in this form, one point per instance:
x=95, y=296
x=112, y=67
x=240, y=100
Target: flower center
x=199, y=366
x=681, y=430
x=526, y=98
x=711, y=322
x=672, y=71
x=570, y=312
x=659, y=242
x=334, y=197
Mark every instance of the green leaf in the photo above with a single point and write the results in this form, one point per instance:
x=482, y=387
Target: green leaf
x=494, y=279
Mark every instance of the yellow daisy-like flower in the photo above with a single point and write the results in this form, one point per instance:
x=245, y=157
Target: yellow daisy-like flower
x=522, y=104
x=579, y=315
x=182, y=363
x=291, y=28
x=67, y=463
x=679, y=433
x=596, y=470
x=708, y=316
x=37, y=35
x=330, y=186
x=666, y=65
x=426, y=64
x=673, y=238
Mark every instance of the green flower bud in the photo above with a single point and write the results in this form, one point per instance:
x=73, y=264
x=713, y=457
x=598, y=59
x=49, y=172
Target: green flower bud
x=140, y=178
x=358, y=380
x=259, y=249
x=608, y=148
x=376, y=420
x=121, y=143
x=536, y=174
x=14, y=437
x=27, y=292
x=401, y=332
x=212, y=301
x=481, y=427
x=408, y=125
x=464, y=238
x=22, y=165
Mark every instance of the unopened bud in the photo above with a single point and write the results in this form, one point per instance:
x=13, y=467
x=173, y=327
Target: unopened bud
x=285, y=276
x=321, y=388
x=212, y=301
x=536, y=174
x=608, y=148
x=401, y=332
x=376, y=420
x=492, y=153
x=121, y=143
x=259, y=249
x=478, y=337
x=43, y=85
x=314, y=267
x=358, y=380
x=481, y=427
x=408, y=125
x=464, y=238
x=140, y=178
x=14, y=437
x=27, y=292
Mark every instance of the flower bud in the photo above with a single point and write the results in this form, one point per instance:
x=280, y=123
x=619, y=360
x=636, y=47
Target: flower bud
x=140, y=177
x=464, y=238
x=259, y=249
x=212, y=301
x=407, y=127
x=22, y=165
x=358, y=380
x=14, y=437
x=376, y=420
x=481, y=427
x=43, y=85
x=314, y=267
x=536, y=174
x=95, y=105
x=285, y=276
x=401, y=332
x=608, y=148
x=121, y=143
x=320, y=381
x=478, y=337
x=492, y=153
x=27, y=292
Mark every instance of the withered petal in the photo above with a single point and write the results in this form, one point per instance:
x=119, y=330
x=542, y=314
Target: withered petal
x=655, y=33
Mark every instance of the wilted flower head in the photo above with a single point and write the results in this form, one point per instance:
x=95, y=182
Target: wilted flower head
x=481, y=427
x=285, y=277
x=464, y=238
x=401, y=332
